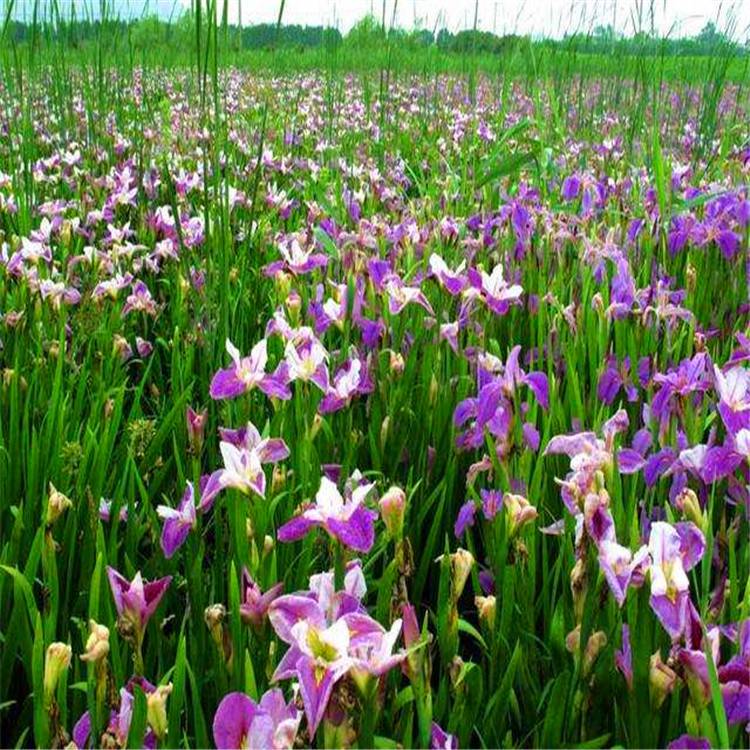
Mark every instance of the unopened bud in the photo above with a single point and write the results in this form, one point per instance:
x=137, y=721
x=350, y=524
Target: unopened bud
x=434, y=388
x=268, y=545
x=486, y=609
x=661, y=680
x=691, y=276
x=196, y=428
x=278, y=479
x=520, y=511
x=97, y=645
x=385, y=427
x=461, y=563
x=156, y=709
x=56, y=662
x=687, y=501
x=396, y=363
x=317, y=423
x=597, y=641
x=57, y=504
x=392, y=509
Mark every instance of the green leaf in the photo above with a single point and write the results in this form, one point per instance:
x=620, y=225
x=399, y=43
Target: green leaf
x=137, y=730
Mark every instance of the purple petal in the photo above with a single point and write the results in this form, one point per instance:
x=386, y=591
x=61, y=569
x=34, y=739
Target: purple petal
x=173, y=536
x=357, y=532
x=720, y=462
x=688, y=742
x=316, y=687
x=226, y=384
x=629, y=461
x=539, y=384
x=286, y=611
x=232, y=721
x=295, y=529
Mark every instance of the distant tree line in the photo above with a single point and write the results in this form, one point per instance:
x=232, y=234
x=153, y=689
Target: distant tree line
x=149, y=31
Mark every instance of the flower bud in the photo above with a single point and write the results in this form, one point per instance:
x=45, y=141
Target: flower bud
x=396, y=363
x=687, y=501
x=214, y=616
x=122, y=347
x=486, y=608
x=520, y=511
x=293, y=304
x=66, y=231
x=278, y=479
x=156, y=709
x=268, y=545
x=573, y=640
x=412, y=634
x=691, y=277
x=56, y=662
x=597, y=641
x=57, y=504
x=317, y=423
x=661, y=680
x=196, y=428
x=461, y=563
x=434, y=389
x=97, y=645
x=385, y=427
x=392, y=508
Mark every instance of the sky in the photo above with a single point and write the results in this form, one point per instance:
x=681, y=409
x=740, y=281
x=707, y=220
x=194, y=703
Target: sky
x=535, y=17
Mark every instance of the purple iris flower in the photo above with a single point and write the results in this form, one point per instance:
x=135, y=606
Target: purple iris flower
x=441, y=740
x=139, y=300
x=733, y=388
x=571, y=187
x=348, y=520
x=493, y=407
x=136, y=600
x=296, y=260
x=329, y=634
x=624, y=657
x=688, y=742
x=244, y=453
x=588, y=455
x=722, y=460
x=178, y=522
x=465, y=518
x=674, y=550
x=688, y=380
x=621, y=568
x=454, y=282
x=614, y=378
x=306, y=359
x=119, y=722
x=493, y=290
x=255, y=603
x=247, y=373
x=400, y=295
x=734, y=676
x=351, y=379
x=271, y=724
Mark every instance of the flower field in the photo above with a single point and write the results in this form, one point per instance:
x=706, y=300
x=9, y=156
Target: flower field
x=338, y=411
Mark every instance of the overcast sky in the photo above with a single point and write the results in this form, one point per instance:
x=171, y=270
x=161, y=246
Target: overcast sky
x=537, y=17
x=541, y=17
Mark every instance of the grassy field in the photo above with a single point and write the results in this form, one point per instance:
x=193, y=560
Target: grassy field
x=372, y=396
